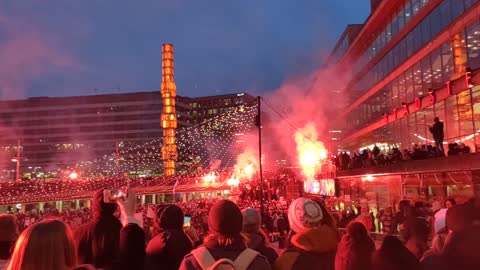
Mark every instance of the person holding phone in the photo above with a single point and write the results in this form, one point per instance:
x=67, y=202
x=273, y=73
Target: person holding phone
x=97, y=242
x=167, y=249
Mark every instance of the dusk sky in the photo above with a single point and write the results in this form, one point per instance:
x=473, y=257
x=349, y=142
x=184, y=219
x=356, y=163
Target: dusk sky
x=73, y=47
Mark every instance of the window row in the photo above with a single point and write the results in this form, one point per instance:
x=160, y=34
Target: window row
x=432, y=72
x=460, y=115
x=442, y=16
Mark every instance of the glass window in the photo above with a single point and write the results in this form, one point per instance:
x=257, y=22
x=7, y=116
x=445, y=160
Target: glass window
x=469, y=3
x=408, y=11
x=457, y=8
x=417, y=81
x=402, y=51
x=412, y=128
x=473, y=45
x=422, y=127
x=416, y=5
x=476, y=114
x=465, y=114
x=426, y=73
x=439, y=112
x=435, y=22
x=428, y=117
x=388, y=31
x=394, y=26
x=410, y=45
x=402, y=91
x=410, y=96
x=445, y=13
x=426, y=30
x=447, y=61
x=437, y=74
x=405, y=139
x=401, y=19
x=395, y=96
x=451, y=119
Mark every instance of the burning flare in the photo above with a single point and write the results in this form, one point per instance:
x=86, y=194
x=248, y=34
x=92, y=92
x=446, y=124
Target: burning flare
x=310, y=151
x=247, y=164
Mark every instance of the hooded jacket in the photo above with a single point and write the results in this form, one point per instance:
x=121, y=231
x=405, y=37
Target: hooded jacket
x=98, y=241
x=315, y=249
x=257, y=242
x=231, y=252
x=167, y=249
x=354, y=253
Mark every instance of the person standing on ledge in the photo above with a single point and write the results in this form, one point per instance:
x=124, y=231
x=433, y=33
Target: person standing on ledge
x=437, y=132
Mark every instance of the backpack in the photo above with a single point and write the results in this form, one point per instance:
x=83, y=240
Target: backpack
x=207, y=262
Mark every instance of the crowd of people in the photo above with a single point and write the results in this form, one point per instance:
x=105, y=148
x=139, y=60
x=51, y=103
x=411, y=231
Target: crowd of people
x=227, y=234
x=375, y=157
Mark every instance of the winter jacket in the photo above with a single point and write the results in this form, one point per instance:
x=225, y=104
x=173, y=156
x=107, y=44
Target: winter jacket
x=460, y=251
x=132, y=248
x=98, y=241
x=167, y=250
x=354, y=254
x=230, y=252
x=312, y=250
x=257, y=242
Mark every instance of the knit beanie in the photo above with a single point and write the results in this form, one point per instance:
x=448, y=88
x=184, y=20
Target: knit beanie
x=225, y=218
x=251, y=220
x=304, y=214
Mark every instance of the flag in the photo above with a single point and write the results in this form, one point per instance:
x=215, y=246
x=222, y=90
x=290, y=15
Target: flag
x=174, y=186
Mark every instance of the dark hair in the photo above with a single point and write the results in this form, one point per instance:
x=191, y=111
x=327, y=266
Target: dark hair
x=452, y=201
x=357, y=231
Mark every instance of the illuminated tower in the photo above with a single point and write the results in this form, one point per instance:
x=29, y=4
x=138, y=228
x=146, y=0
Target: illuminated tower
x=168, y=89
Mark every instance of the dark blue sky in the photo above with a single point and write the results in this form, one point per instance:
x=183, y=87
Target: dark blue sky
x=72, y=47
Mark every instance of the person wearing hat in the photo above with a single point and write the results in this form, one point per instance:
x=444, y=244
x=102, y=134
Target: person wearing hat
x=224, y=242
x=167, y=249
x=98, y=242
x=312, y=245
x=255, y=238
x=8, y=235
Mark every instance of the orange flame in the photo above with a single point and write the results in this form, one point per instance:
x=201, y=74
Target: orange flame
x=310, y=151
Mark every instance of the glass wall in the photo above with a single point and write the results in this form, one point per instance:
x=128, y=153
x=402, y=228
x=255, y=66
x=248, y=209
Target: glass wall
x=430, y=26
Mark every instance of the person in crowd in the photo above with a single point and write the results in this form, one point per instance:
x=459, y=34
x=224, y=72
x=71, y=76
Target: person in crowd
x=98, y=241
x=437, y=133
x=450, y=202
x=392, y=255
x=355, y=249
x=441, y=233
x=460, y=250
x=386, y=217
x=167, y=249
x=224, y=242
x=312, y=245
x=415, y=231
x=400, y=216
x=366, y=218
x=47, y=245
x=255, y=238
x=132, y=236
x=8, y=236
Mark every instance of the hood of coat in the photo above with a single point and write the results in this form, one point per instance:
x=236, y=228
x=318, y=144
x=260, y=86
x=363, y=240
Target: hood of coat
x=318, y=240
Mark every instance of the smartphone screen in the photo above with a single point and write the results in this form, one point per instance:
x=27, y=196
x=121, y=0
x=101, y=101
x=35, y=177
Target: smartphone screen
x=114, y=194
x=186, y=221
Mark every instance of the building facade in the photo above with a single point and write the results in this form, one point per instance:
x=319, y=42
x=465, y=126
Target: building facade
x=423, y=63
x=412, y=61
x=58, y=132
